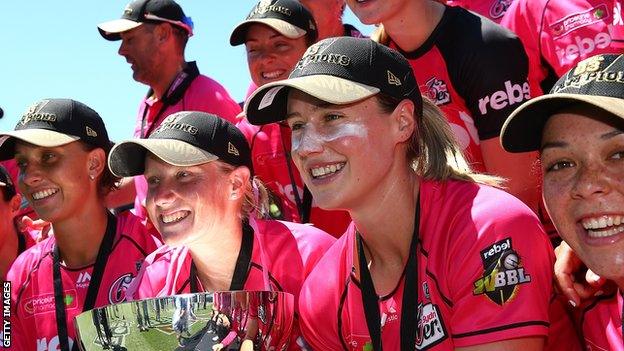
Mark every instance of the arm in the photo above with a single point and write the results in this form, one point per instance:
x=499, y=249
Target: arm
x=524, y=344
x=518, y=168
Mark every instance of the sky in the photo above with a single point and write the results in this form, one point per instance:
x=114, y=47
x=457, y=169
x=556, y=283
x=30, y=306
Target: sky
x=52, y=49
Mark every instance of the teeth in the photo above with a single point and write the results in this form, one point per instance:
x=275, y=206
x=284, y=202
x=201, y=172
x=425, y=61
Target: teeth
x=326, y=170
x=44, y=193
x=605, y=233
x=601, y=222
x=272, y=75
x=174, y=217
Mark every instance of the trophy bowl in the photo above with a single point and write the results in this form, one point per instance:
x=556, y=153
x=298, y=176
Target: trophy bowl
x=224, y=320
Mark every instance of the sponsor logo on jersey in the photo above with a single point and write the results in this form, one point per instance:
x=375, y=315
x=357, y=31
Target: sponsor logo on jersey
x=499, y=7
x=45, y=303
x=117, y=292
x=503, y=273
x=617, y=14
x=579, y=20
x=437, y=91
x=584, y=47
x=511, y=95
x=83, y=280
x=431, y=330
x=53, y=345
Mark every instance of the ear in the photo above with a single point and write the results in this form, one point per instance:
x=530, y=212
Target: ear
x=15, y=204
x=404, y=118
x=239, y=178
x=96, y=162
x=162, y=32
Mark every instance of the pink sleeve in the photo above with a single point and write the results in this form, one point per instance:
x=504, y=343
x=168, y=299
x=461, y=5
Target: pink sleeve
x=523, y=17
x=209, y=96
x=229, y=338
x=504, y=272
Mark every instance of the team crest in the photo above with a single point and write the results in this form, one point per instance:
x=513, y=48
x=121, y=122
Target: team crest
x=503, y=273
x=437, y=91
x=499, y=7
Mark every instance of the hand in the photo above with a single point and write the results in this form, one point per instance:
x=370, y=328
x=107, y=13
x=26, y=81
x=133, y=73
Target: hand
x=39, y=229
x=217, y=347
x=569, y=278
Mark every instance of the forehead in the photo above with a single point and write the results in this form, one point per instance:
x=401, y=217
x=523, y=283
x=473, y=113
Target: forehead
x=259, y=31
x=581, y=123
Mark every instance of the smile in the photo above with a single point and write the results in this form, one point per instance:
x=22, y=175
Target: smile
x=174, y=217
x=603, y=226
x=324, y=171
x=272, y=75
x=44, y=193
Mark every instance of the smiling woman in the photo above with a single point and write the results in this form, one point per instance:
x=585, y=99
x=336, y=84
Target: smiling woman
x=579, y=128
x=60, y=146
x=434, y=256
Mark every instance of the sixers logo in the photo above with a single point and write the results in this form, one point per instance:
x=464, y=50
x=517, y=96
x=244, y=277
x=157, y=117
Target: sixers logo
x=499, y=7
x=117, y=292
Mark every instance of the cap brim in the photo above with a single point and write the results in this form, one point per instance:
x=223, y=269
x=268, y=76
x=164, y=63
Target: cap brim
x=38, y=137
x=522, y=131
x=286, y=29
x=110, y=30
x=128, y=158
x=268, y=103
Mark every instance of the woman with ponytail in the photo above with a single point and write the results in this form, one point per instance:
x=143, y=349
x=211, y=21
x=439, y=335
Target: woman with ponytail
x=436, y=256
x=203, y=199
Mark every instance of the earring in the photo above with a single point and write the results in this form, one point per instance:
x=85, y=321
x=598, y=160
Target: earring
x=91, y=176
x=234, y=196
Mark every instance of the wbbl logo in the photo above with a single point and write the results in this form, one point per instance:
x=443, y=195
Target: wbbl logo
x=502, y=274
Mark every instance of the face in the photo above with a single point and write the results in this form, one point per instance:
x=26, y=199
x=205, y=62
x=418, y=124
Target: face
x=583, y=163
x=185, y=202
x=376, y=11
x=326, y=14
x=341, y=151
x=270, y=55
x=55, y=180
x=139, y=47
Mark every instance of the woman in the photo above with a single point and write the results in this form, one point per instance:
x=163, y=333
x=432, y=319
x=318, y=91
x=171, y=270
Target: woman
x=578, y=128
x=423, y=223
x=276, y=34
x=60, y=146
x=473, y=69
x=205, y=203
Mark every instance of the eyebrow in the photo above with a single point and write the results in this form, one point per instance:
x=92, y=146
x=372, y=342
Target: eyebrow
x=611, y=134
x=317, y=106
x=605, y=136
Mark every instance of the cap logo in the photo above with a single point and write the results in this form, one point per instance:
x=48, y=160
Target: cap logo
x=393, y=80
x=232, y=149
x=312, y=55
x=91, y=132
x=591, y=64
x=127, y=11
x=589, y=71
x=33, y=114
x=265, y=6
x=185, y=127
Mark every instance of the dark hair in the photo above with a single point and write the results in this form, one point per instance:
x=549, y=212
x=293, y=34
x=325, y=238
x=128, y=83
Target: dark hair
x=8, y=192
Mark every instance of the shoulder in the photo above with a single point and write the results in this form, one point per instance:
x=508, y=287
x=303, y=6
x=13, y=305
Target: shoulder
x=133, y=231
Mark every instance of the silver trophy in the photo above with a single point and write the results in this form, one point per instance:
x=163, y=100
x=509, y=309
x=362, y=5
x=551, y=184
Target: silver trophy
x=228, y=320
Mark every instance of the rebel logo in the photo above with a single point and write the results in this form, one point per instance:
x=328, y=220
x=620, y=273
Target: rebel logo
x=503, y=273
x=117, y=292
x=511, y=95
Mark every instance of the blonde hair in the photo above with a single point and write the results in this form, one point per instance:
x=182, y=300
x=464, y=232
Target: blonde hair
x=256, y=198
x=433, y=152
x=380, y=35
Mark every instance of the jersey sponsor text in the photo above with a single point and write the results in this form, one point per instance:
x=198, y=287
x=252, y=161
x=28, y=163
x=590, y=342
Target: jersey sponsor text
x=513, y=94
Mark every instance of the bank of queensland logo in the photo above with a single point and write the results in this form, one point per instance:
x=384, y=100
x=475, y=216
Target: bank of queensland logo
x=503, y=273
x=33, y=113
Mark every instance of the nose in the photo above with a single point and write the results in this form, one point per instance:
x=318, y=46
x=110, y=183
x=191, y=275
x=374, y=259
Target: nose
x=122, y=48
x=162, y=196
x=590, y=181
x=307, y=142
x=30, y=175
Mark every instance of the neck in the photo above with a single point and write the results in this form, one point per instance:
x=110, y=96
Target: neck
x=8, y=251
x=217, y=274
x=387, y=238
x=413, y=26
x=335, y=30
x=78, y=242
x=168, y=74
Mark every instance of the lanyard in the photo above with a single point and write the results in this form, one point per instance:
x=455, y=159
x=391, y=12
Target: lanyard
x=94, y=284
x=242, y=263
x=409, y=315
x=304, y=207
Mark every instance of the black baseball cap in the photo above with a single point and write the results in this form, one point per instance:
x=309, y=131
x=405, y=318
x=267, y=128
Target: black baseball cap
x=56, y=122
x=138, y=12
x=186, y=138
x=597, y=81
x=288, y=17
x=340, y=71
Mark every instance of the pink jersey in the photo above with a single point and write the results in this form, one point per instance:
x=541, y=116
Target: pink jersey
x=292, y=251
x=557, y=34
x=484, y=275
x=190, y=91
x=273, y=167
x=492, y=9
x=601, y=323
x=32, y=295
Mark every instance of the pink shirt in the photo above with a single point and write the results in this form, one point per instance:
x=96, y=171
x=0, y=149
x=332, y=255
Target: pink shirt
x=492, y=9
x=484, y=269
x=562, y=33
x=189, y=92
x=292, y=251
x=33, y=319
x=601, y=323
